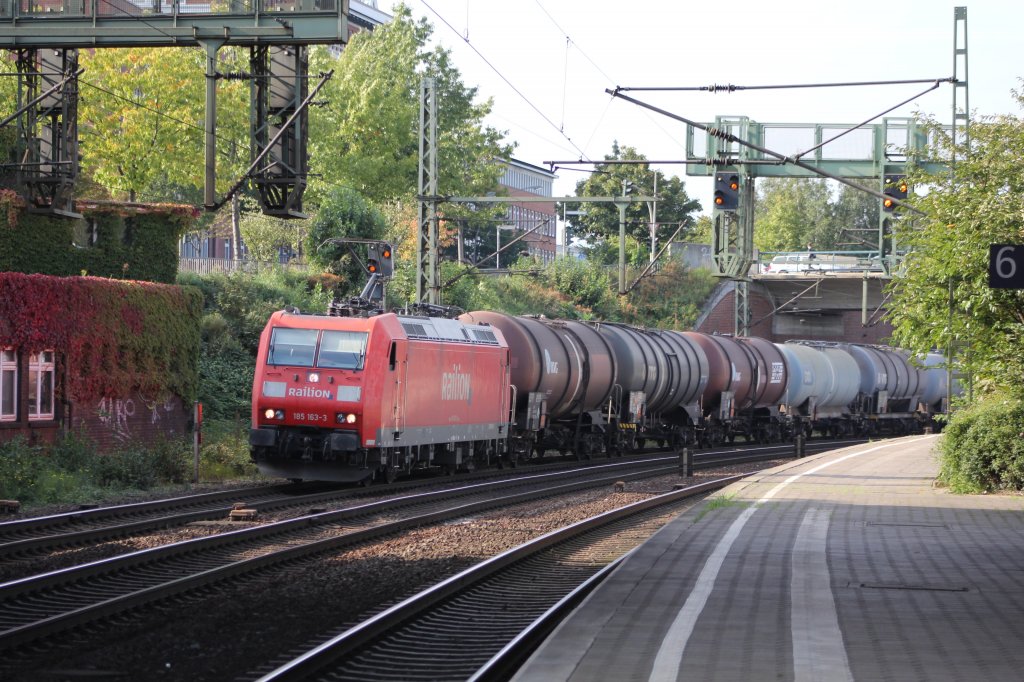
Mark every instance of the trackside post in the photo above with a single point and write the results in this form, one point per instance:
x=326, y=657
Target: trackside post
x=686, y=462
x=197, y=437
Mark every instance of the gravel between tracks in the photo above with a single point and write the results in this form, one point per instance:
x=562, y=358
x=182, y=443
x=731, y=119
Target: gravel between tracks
x=256, y=621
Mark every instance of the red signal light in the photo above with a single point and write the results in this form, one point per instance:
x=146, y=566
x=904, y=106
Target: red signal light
x=372, y=266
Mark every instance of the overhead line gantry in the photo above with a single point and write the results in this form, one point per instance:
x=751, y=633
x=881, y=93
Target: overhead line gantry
x=47, y=34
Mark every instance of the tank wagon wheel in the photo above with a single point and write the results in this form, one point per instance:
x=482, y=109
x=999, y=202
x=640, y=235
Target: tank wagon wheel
x=715, y=435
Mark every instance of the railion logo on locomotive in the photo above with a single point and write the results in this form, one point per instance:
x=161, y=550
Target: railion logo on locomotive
x=309, y=392
x=455, y=384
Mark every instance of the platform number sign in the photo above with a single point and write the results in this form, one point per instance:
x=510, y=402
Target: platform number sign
x=1006, y=266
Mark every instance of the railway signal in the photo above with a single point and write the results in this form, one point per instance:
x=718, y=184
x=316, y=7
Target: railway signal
x=727, y=191
x=379, y=259
x=895, y=190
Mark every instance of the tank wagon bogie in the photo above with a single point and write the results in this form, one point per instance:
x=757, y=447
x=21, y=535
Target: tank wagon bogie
x=355, y=398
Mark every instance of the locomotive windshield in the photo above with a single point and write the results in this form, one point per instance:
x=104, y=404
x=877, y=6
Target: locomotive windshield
x=295, y=347
x=342, y=350
x=300, y=348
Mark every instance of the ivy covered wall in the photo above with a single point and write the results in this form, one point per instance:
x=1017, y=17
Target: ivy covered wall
x=112, y=337
x=122, y=241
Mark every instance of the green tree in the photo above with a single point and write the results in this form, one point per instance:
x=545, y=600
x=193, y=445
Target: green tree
x=600, y=221
x=140, y=114
x=855, y=216
x=9, y=133
x=265, y=236
x=344, y=214
x=367, y=135
x=701, y=232
x=791, y=213
x=942, y=297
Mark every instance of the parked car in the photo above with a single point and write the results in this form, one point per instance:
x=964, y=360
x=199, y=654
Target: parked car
x=788, y=263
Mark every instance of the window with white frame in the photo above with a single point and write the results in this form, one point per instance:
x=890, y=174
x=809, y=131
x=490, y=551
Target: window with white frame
x=40, y=385
x=8, y=385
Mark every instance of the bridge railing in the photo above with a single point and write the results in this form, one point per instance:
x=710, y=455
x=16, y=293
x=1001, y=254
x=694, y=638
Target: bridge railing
x=72, y=9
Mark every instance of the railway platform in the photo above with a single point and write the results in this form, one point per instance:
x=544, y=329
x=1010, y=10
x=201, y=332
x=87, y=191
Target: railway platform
x=849, y=565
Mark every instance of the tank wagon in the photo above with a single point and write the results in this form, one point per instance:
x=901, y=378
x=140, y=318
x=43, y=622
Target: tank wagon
x=355, y=398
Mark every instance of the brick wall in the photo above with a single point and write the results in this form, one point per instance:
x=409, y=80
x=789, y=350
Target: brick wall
x=113, y=422
x=109, y=423
x=720, y=319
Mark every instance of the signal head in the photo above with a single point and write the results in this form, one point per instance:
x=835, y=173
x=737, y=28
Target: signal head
x=727, y=191
x=895, y=188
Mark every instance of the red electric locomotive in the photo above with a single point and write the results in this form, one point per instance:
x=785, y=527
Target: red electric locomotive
x=355, y=398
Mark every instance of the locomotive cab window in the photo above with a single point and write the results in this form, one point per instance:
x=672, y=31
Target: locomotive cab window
x=294, y=347
x=342, y=350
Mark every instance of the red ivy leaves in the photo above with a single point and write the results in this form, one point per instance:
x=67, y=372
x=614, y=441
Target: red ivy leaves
x=116, y=336
x=12, y=204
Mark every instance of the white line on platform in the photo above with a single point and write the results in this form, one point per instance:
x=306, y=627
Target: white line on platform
x=670, y=654
x=818, y=651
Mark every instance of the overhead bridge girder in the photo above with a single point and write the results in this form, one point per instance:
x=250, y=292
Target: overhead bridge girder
x=48, y=130
x=280, y=85
x=170, y=23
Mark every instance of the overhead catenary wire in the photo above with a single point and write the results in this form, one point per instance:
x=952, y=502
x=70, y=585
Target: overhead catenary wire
x=789, y=86
x=866, y=121
x=729, y=137
x=140, y=105
x=502, y=76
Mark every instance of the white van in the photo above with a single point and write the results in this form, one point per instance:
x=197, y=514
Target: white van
x=788, y=263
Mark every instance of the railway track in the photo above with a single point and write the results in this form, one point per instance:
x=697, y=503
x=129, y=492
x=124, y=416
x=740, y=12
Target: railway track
x=41, y=610
x=87, y=525
x=483, y=622
x=39, y=535
x=37, y=607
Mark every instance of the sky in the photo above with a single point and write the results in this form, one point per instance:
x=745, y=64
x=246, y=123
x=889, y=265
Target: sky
x=547, y=63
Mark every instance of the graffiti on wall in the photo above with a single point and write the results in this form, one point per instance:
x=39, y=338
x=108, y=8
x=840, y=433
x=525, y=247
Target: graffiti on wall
x=124, y=417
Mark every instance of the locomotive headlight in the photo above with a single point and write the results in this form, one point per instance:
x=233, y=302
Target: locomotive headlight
x=279, y=414
x=351, y=418
x=343, y=418
x=269, y=414
x=314, y=377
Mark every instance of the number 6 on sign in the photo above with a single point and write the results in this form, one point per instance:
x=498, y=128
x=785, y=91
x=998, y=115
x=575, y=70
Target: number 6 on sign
x=1006, y=266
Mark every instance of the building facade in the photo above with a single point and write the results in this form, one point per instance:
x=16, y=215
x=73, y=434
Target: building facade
x=538, y=220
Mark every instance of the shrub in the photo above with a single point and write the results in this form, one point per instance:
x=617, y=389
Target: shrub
x=983, y=447
x=72, y=470
x=225, y=451
x=225, y=384
x=143, y=467
x=30, y=474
